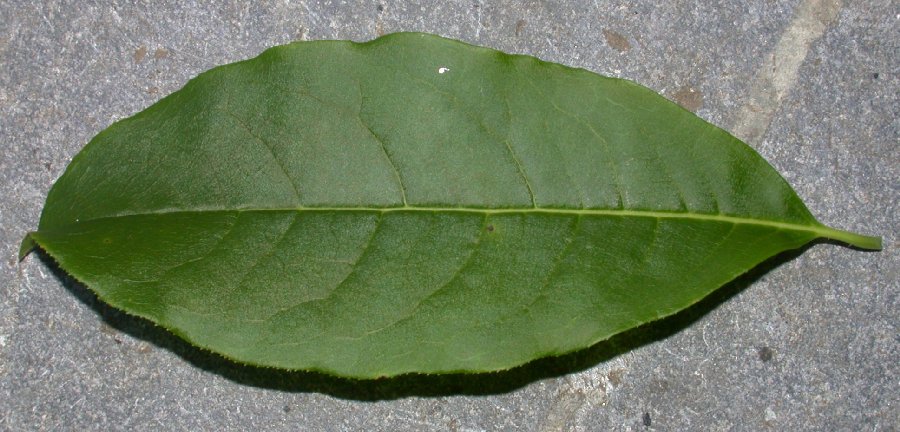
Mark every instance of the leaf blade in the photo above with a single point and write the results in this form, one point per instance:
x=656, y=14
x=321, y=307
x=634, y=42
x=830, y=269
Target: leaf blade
x=286, y=217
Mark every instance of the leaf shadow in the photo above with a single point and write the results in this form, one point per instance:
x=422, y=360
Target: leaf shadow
x=415, y=384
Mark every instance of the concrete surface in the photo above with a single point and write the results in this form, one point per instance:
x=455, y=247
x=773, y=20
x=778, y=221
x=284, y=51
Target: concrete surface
x=809, y=342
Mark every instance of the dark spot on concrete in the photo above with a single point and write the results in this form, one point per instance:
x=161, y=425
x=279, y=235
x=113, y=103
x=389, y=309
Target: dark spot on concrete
x=49, y=166
x=476, y=5
x=160, y=53
x=139, y=54
x=646, y=419
x=490, y=228
x=615, y=376
x=153, y=90
x=520, y=25
x=765, y=354
x=875, y=75
x=453, y=425
x=111, y=331
x=144, y=349
x=379, y=25
x=286, y=409
x=689, y=98
x=616, y=40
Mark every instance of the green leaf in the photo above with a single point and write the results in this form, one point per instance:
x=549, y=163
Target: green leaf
x=413, y=204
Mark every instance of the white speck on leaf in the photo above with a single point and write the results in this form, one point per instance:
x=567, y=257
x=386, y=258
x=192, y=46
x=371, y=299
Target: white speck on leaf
x=443, y=70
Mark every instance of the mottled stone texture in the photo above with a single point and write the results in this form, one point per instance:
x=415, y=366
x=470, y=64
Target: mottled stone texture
x=807, y=343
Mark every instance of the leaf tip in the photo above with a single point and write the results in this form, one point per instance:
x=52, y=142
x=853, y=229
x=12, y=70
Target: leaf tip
x=28, y=244
x=853, y=239
x=868, y=242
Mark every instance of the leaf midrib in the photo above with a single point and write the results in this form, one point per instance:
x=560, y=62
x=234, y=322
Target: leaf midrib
x=815, y=228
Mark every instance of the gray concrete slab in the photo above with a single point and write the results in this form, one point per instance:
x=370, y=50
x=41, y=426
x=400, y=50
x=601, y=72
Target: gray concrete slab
x=809, y=343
